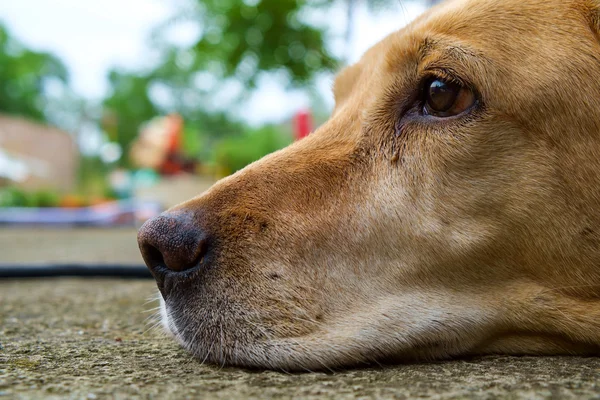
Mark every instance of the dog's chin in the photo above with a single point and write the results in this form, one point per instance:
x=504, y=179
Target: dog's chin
x=165, y=320
x=404, y=328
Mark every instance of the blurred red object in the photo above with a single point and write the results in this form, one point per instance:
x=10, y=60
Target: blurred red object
x=174, y=132
x=303, y=124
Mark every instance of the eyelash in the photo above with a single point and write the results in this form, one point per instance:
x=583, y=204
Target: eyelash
x=442, y=75
x=446, y=74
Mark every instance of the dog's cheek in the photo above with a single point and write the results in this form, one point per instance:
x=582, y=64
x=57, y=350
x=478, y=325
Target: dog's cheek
x=463, y=184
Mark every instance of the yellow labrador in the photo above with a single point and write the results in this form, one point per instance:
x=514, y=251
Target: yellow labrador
x=450, y=206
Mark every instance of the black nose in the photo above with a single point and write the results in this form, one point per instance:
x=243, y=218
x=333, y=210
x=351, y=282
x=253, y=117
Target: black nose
x=173, y=240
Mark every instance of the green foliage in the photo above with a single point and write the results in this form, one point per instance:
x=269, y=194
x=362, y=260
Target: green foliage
x=15, y=197
x=23, y=76
x=128, y=107
x=233, y=154
x=46, y=198
x=266, y=35
x=201, y=136
x=194, y=144
x=92, y=178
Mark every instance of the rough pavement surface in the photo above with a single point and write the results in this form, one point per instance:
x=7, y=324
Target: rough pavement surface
x=88, y=339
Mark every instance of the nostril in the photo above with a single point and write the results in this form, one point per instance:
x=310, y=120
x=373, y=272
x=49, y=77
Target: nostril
x=153, y=256
x=173, y=241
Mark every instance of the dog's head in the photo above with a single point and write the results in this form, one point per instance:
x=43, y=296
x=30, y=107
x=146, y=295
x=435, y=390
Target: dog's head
x=451, y=205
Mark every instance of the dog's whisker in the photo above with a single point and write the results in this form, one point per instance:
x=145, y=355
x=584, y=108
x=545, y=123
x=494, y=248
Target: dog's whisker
x=150, y=310
x=153, y=327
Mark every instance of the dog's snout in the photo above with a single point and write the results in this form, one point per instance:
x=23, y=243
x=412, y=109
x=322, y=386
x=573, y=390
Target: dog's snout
x=174, y=241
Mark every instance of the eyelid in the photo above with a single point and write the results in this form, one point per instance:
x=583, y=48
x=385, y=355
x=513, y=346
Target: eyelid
x=443, y=74
x=447, y=75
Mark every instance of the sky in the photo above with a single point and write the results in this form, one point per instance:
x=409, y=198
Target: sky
x=92, y=36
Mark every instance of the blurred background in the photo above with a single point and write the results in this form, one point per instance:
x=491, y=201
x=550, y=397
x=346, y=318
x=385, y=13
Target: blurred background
x=112, y=110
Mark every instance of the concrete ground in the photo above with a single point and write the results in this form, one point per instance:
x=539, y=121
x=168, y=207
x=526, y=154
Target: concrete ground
x=88, y=339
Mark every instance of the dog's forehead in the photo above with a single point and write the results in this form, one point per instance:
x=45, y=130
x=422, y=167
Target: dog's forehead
x=490, y=25
x=479, y=19
x=501, y=31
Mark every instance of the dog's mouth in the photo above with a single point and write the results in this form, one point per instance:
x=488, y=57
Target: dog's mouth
x=169, y=281
x=405, y=328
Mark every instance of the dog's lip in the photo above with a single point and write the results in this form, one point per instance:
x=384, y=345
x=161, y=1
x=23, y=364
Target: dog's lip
x=162, y=271
x=159, y=272
x=167, y=279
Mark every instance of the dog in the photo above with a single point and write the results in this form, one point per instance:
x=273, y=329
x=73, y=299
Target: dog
x=449, y=207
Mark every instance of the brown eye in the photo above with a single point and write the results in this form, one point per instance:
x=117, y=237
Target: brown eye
x=446, y=99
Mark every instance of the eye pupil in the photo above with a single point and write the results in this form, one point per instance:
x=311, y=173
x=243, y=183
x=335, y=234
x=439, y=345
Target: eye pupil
x=442, y=95
x=443, y=98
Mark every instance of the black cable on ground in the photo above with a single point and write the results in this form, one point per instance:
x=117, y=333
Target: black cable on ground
x=74, y=270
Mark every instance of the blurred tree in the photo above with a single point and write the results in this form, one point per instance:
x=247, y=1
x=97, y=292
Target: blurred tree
x=246, y=38
x=127, y=107
x=131, y=104
x=238, y=42
x=25, y=76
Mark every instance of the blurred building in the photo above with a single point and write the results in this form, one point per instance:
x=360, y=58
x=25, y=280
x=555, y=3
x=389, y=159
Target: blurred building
x=36, y=156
